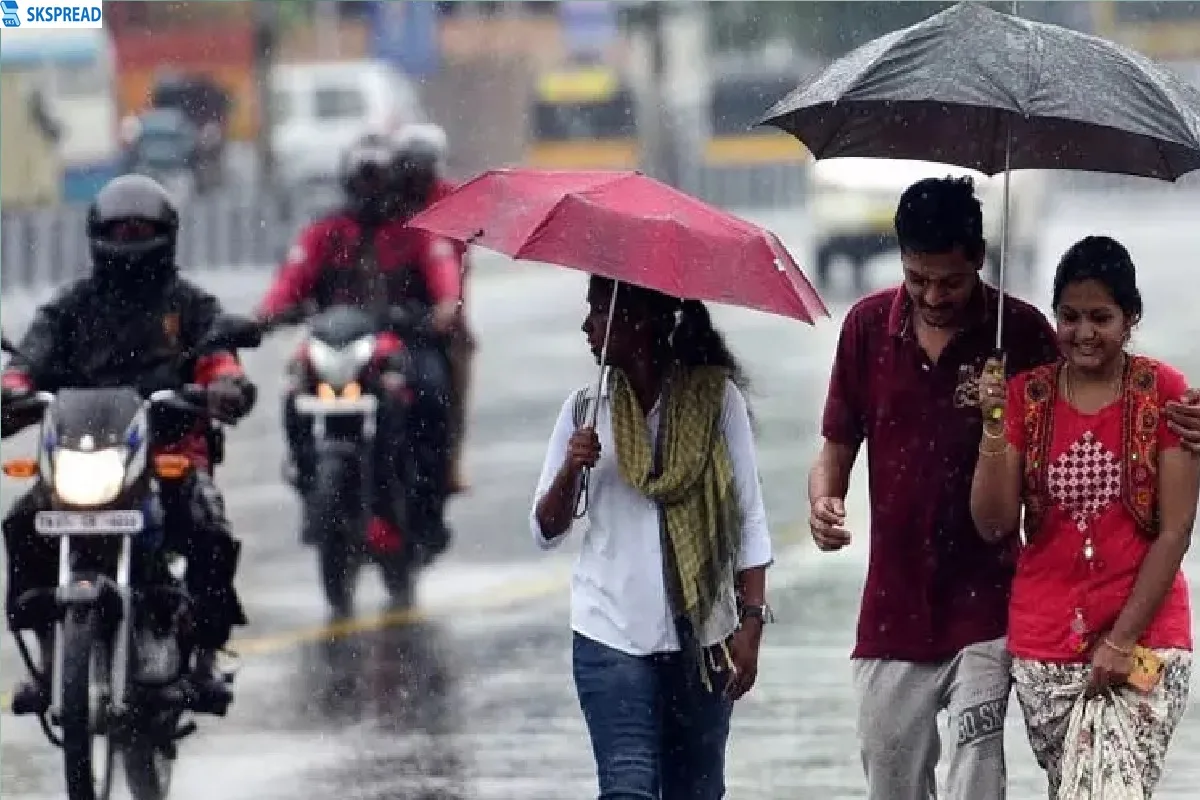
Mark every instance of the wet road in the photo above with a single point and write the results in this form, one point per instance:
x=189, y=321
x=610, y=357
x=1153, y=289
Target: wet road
x=474, y=700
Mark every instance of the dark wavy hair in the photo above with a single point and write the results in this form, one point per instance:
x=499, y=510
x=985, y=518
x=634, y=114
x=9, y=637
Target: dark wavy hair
x=1105, y=260
x=686, y=328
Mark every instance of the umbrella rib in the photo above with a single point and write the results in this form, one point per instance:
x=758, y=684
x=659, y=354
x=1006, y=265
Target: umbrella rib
x=786, y=281
x=836, y=131
x=795, y=284
x=772, y=114
x=543, y=223
x=1169, y=169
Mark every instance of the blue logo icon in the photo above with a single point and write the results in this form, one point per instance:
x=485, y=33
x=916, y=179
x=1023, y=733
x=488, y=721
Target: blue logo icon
x=12, y=13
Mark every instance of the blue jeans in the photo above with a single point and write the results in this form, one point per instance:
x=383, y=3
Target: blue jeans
x=657, y=733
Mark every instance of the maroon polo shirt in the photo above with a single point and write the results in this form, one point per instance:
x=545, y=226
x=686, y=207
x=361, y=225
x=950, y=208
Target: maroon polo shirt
x=934, y=586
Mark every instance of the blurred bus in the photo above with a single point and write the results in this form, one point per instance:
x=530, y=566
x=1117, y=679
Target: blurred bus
x=73, y=69
x=1167, y=32
x=737, y=101
x=583, y=118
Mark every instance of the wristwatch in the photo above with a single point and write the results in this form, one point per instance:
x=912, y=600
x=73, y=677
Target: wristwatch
x=761, y=613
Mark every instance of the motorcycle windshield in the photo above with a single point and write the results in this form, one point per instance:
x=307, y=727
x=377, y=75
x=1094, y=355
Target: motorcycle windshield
x=94, y=419
x=340, y=326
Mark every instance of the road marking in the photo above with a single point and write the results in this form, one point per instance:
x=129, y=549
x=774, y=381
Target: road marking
x=505, y=595
x=791, y=545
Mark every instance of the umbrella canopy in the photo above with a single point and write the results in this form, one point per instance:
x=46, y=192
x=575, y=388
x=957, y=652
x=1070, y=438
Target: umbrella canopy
x=969, y=84
x=626, y=226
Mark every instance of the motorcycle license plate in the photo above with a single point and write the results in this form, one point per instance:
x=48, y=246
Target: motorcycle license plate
x=319, y=406
x=88, y=523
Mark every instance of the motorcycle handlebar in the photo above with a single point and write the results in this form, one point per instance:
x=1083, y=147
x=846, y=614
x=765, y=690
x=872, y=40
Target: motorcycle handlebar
x=192, y=398
x=293, y=316
x=37, y=400
x=404, y=320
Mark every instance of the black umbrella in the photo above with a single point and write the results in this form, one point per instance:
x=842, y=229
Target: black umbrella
x=992, y=92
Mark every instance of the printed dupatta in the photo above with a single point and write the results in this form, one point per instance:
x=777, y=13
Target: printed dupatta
x=1141, y=408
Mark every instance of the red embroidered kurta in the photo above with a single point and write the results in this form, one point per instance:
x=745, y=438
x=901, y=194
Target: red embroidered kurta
x=1091, y=488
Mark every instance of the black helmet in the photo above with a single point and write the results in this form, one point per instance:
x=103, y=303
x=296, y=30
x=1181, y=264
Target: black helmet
x=365, y=178
x=132, y=228
x=415, y=170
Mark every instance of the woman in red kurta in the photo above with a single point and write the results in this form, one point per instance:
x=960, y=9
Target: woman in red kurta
x=1110, y=498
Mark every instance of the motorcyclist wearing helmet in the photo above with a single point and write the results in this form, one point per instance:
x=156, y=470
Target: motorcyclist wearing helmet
x=133, y=322
x=365, y=255
x=419, y=171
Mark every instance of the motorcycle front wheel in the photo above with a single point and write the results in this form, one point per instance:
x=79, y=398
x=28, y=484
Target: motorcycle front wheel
x=399, y=581
x=87, y=742
x=338, y=548
x=148, y=768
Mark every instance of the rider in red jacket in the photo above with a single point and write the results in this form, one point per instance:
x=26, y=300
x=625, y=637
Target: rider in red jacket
x=351, y=254
x=365, y=255
x=420, y=183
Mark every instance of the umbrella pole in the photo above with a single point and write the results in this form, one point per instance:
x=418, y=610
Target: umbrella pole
x=581, y=494
x=1008, y=144
x=1000, y=278
x=612, y=312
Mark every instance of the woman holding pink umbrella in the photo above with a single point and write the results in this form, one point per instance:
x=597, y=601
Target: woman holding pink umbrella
x=668, y=595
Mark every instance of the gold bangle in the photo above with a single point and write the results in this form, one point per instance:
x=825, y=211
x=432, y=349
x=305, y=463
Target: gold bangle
x=983, y=451
x=991, y=435
x=1109, y=643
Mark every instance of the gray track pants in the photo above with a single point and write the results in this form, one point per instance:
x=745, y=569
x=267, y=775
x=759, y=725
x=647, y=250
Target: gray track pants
x=897, y=724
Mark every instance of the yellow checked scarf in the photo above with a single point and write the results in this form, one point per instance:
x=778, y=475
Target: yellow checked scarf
x=695, y=489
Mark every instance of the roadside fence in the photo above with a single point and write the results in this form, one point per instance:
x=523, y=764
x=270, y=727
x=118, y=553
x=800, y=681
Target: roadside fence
x=48, y=246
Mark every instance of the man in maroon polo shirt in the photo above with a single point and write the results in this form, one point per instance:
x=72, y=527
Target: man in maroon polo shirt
x=935, y=606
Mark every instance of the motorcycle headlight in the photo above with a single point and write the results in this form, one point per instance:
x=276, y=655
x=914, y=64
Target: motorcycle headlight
x=89, y=479
x=340, y=367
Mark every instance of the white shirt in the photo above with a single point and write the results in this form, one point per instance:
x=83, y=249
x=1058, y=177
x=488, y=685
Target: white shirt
x=618, y=591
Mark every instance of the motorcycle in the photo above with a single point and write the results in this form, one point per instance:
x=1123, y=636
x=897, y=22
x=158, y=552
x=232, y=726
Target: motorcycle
x=122, y=609
x=340, y=383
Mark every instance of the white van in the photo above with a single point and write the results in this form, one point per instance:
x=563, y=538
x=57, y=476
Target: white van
x=319, y=109
x=853, y=207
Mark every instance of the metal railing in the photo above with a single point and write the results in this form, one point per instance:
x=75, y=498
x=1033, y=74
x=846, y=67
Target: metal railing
x=48, y=247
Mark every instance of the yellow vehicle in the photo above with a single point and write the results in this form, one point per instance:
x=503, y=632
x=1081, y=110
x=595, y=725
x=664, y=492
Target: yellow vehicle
x=1163, y=31
x=737, y=101
x=583, y=118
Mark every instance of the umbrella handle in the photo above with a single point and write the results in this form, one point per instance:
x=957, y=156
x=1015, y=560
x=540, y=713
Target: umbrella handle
x=581, y=493
x=581, y=496
x=998, y=354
